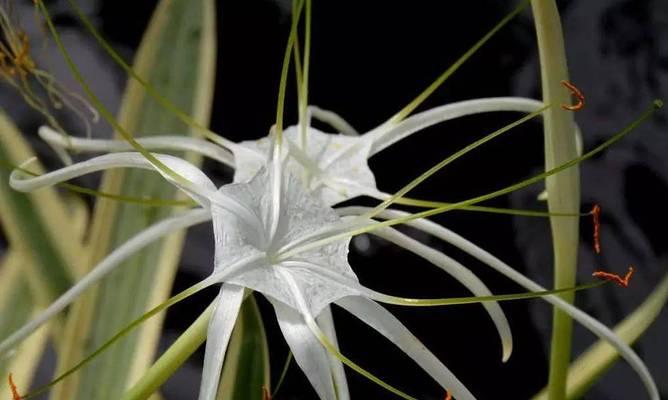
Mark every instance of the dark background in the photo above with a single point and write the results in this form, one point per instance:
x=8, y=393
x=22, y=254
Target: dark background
x=369, y=58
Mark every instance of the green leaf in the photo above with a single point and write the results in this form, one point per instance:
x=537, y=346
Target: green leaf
x=246, y=368
x=17, y=305
x=37, y=223
x=45, y=234
x=177, y=56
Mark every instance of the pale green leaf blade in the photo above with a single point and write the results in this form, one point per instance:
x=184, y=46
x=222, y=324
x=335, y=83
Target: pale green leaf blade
x=246, y=368
x=17, y=305
x=45, y=234
x=177, y=57
x=39, y=222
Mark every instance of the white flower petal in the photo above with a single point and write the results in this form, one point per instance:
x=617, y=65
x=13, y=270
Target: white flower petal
x=218, y=336
x=309, y=354
x=250, y=157
x=583, y=318
x=326, y=322
x=389, y=326
x=120, y=254
x=386, y=135
x=460, y=273
x=202, y=190
x=153, y=143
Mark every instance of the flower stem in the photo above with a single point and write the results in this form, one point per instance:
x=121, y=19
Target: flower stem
x=172, y=359
x=563, y=188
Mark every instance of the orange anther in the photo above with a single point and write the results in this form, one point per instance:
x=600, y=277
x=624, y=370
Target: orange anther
x=448, y=395
x=609, y=276
x=578, y=95
x=12, y=387
x=596, y=216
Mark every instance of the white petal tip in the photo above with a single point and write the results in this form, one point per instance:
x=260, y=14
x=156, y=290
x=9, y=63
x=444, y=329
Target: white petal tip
x=48, y=134
x=506, y=356
x=507, y=346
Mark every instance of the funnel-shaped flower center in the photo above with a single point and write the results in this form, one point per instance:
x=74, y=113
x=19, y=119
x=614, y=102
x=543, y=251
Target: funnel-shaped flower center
x=300, y=215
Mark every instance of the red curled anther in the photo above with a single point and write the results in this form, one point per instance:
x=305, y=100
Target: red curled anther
x=448, y=395
x=596, y=216
x=12, y=387
x=608, y=276
x=578, y=95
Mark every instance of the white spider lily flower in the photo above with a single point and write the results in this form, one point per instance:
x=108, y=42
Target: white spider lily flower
x=250, y=254
x=323, y=148
x=262, y=223
x=334, y=167
x=328, y=142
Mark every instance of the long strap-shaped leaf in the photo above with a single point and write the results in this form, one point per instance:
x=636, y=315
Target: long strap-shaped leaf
x=17, y=305
x=45, y=236
x=177, y=56
x=246, y=368
x=38, y=222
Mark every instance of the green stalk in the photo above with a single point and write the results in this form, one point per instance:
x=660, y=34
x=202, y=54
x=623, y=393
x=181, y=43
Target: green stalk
x=172, y=359
x=563, y=188
x=177, y=55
